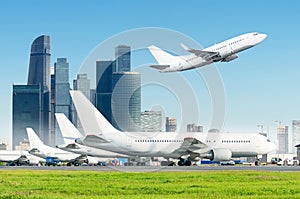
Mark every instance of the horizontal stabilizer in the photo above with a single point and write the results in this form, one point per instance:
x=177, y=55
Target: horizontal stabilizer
x=160, y=67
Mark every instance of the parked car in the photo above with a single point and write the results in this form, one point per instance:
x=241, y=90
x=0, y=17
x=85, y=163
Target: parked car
x=230, y=162
x=288, y=162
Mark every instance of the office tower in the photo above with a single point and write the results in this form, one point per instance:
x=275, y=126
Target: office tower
x=52, y=105
x=93, y=96
x=122, y=56
x=295, y=134
x=62, y=95
x=282, y=136
x=151, y=121
x=171, y=124
x=62, y=87
x=126, y=101
x=39, y=74
x=83, y=84
x=104, y=72
x=26, y=111
x=194, y=128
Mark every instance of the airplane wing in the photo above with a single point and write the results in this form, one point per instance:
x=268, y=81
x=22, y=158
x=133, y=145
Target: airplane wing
x=160, y=67
x=207, y=55
x=190, y=146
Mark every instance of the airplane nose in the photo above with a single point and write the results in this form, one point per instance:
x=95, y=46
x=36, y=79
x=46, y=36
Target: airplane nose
x=263, y=36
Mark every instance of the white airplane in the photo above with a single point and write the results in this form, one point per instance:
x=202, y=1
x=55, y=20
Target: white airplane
x=19, y=158
x=171, y=145
x=225, y=51
x=70, y=133
x=39, y=149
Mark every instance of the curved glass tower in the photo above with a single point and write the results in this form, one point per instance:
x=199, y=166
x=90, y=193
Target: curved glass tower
x=39, y=74
x=126, y=101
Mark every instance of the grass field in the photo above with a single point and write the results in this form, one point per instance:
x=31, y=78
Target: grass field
x=95, y=184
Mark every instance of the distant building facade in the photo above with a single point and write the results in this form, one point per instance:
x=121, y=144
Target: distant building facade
x=283, y=139
x=171, y=124
x=295, y=134
x=27, y=105
x=194, y=128
x=151, y=121
x=104, y=87
x=123, y=57
x=83, y=84
x=126, y=101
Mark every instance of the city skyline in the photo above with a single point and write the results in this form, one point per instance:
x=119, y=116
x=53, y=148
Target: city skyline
x=260, y=86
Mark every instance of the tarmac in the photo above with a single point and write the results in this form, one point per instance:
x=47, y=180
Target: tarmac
x=159, y=168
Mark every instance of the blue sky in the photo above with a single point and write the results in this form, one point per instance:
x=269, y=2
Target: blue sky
x=261, y=86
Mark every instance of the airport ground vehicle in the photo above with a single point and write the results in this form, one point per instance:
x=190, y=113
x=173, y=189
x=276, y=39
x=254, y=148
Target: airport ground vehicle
x=230, y=162
x=53, y=161
x=288, y=162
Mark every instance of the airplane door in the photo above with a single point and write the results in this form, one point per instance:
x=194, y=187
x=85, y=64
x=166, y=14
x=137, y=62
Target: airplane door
x=129, y=141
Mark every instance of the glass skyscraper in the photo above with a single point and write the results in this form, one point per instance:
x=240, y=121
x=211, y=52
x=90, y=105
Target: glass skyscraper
x=126, y=101
x=122, y=56
x=26, y=111
x=296, y=134
x=39, y=74
x=104, y=72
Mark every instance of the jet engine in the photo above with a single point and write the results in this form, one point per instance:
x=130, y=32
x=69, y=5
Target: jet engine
x=230, y=58
x=218, y=155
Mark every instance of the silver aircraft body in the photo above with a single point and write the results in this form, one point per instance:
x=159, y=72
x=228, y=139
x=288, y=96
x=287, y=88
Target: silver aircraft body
x=225, y=51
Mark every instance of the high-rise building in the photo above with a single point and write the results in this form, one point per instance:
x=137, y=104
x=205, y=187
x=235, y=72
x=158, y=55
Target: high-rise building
x=26, y=111
x=83, y=84
x=151, y=121
x=171, y=124
x=104, y=89
x=126, y=101
x=93, y=96
x=295, y=134
x=122, y=56
x=62, y=87
x=283, y=139
x=62, y=94
x=194, y=128
x=39, y=74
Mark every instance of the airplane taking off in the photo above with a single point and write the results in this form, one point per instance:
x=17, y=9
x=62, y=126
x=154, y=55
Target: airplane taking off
x=225, y=51
x=70, y=133
x=183, y=146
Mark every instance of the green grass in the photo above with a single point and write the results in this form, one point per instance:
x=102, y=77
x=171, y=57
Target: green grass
x=95, y=184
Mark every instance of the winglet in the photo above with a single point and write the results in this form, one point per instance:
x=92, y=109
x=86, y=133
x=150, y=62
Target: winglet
x=186, y=48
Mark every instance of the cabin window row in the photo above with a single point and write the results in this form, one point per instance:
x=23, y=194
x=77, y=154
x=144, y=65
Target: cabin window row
x=235, y=141
x=158, y=140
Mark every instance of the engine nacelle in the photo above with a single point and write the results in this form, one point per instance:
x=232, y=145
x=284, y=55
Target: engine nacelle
x=218, y=155
x=230, y=58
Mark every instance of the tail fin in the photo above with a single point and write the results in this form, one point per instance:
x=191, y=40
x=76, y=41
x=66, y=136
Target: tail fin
x=68, y=130
x=34, y=140
x=93, y=122
x=162, y=57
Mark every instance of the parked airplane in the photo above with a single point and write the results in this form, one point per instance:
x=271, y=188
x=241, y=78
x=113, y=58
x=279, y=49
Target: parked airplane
x=171, y=145
x=39, y=149
x=225, y=51
x=70, y=133
x=19, y=158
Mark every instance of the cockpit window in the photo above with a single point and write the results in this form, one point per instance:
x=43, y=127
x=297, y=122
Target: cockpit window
x=268, y=140
x=255, y=33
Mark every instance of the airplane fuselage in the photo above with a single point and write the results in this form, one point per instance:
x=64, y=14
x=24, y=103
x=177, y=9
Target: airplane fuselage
x=227, y=51
x=167, y=144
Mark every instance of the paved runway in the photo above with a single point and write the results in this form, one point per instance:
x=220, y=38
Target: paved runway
x=160, y=168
